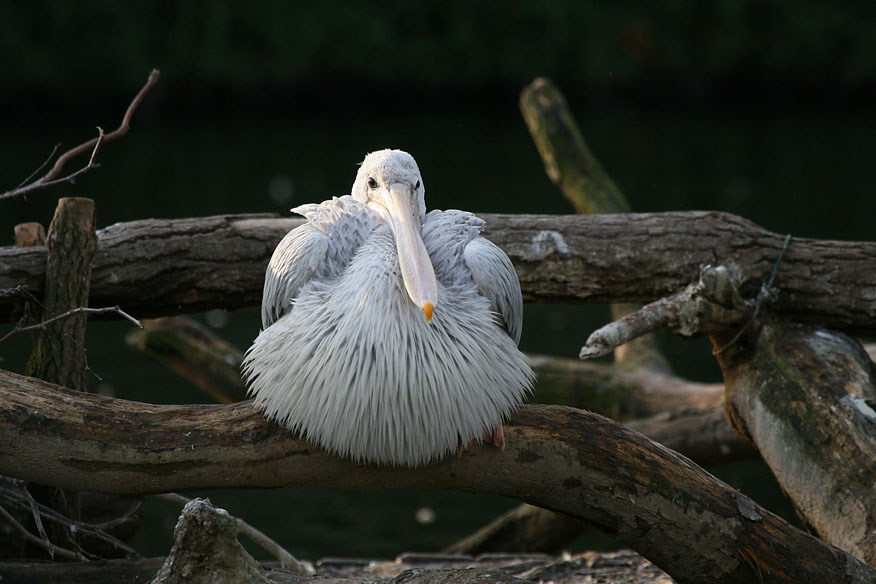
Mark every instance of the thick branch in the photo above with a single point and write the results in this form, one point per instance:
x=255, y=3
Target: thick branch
x=564, y=459
x=59, y=344
x=158, y=267
x=805, y=397
x=567, y=159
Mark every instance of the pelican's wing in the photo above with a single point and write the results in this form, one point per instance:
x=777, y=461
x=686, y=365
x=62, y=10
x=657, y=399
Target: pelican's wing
x=497, y=281
x=295, y=261
x=320, y=249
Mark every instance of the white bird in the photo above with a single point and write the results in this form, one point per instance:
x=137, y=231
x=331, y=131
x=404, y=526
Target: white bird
x=389, y=334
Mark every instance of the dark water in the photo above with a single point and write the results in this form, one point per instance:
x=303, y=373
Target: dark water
x=807, y=173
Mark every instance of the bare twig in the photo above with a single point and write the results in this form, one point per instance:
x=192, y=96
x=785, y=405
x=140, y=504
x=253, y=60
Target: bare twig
x=70, y=178
x=34, y=509
x=272, y=547
x=117, y=133
x=20, y=497
x=81, y=310
x=45, y=544
x=40, y=167
x=50, y=178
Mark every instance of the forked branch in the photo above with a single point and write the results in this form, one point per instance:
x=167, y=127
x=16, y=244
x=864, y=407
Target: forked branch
x=53, y=177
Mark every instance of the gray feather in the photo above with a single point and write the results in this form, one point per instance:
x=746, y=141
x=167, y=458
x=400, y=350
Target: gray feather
x=497, y=280
x=320, y=249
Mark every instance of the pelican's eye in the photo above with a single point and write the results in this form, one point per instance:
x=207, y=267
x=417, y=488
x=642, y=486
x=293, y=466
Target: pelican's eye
x=372, y=184
x=417, y=186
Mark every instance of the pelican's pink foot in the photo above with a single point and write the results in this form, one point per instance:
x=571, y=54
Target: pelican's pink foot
x=496, y=437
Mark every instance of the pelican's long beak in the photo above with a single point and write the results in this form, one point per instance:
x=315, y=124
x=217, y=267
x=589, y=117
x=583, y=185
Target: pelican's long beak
x=417, y=272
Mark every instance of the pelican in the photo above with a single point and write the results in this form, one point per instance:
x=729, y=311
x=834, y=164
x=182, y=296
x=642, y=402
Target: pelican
x=389, y=335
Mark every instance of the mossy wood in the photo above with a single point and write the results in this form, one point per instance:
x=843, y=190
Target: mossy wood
x=806, y=396
x=568, y=161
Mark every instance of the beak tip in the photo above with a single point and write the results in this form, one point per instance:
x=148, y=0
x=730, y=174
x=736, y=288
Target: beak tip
x=427, y=310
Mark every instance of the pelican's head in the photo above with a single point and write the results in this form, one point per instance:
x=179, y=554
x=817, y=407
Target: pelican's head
x=389, y=182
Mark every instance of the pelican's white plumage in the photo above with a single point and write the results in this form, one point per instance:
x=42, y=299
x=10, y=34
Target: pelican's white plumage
x=348, y=355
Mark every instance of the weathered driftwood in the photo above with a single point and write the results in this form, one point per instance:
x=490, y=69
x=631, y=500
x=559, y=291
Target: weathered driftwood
x=30, y=234
x=205, y=550
x=571, y=165
x=806, y=396
x=704, y=437
x=619, y=392
x=559, y=458
x=161, y=267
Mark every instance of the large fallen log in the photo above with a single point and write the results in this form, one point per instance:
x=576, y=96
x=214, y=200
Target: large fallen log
x=160, y=267
x=690, y=524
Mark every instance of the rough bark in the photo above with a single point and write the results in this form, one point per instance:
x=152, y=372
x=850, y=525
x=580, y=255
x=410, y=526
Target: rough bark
x=58, y=353
x=161, y=267
x=802, y=394
x=619, y=392
x=572, y=166
x=559, y=458
x=805, y=396
x=704, y=437
x=206, y=551
x=30, y=235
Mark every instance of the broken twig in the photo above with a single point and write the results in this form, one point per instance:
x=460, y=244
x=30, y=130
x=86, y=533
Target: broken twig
x=702, y=307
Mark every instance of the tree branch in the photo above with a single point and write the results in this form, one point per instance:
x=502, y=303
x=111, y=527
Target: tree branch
x=22, y=499
x=160, y=267
x=70, y=313
x=700, y=308
x=50, y=178
x=42, y=542
x=559, y=458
